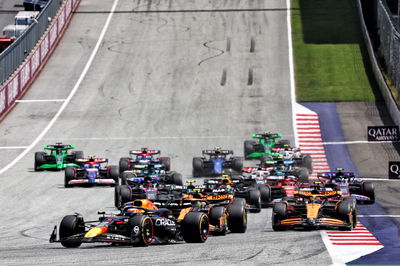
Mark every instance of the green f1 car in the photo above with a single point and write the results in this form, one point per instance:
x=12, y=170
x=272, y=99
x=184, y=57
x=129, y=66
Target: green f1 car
x=58, y=157
x=264, y=147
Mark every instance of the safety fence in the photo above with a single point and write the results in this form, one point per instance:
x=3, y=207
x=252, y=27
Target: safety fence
x=15, y=54
x=385, y=90
x=389, y=37
x=24, y=74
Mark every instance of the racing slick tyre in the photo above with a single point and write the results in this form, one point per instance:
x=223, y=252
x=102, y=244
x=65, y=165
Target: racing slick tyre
x=275, y=225
x=113, y=173
x=142, y=233
x=177, y=179
x=117, y=195
x=284, y=142
x=254, y=198
x=369, y=191
x=197, y=166
x=344, y=208
x=216, y=214
x=195, y=227
x=78, y=154
x=306, y=161
x=71, y=225
x=39, y=160
x=248, y=148
x=353, y=202
x=237, y=164
x=265, y=193
x=265, y=158
x=70, y=174
x=348, y=214
x=166, y=161
x=125, y=176
x=125, y=194
x=302, y=175
x=280, y=210
x=124, y=165
x=237, y=216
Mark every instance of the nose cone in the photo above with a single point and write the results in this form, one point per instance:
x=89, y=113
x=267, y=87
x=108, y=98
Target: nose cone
x=218, y=166
x=96, y=231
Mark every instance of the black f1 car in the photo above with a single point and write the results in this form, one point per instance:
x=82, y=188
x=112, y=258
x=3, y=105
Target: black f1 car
x=138, y=223
x=217, y=163
x=143, y=156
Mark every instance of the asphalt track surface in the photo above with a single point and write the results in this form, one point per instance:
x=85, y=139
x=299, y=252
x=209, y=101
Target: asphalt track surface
x=180, y=76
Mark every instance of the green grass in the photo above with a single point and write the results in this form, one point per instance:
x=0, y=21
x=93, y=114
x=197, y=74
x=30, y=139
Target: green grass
x=328, y=52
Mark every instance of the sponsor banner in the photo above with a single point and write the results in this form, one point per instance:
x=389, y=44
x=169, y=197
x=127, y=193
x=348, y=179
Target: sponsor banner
x=53, y=34
x=25, y=74
x=394, y=170
x=3, y=103
x=13, y=89
x=383, y=133
x=68, y=8
x=35, y=61
x=44, y=47
x=61, y=20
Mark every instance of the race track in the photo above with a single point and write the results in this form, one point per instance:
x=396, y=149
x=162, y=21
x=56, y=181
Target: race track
x=176, y=75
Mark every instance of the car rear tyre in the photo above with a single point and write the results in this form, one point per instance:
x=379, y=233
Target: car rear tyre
x=237, y=216
x=166, y=161
x=237, y=164
x=117, y=195
x=70, y=174
x=195, y=227
x=248, y=148
x=265, y=193
x=125, y=194
x=216, y=214
x=78, y=154
x=39, y=160
x=71, y=225
x=254, y=198
x=177, y=179
x=197, y=166
x=114, y=174
x=124, y=164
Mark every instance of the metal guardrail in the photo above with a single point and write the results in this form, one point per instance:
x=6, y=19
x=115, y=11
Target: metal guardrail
x=385, y=90
x=389, y=36
x=12, y=57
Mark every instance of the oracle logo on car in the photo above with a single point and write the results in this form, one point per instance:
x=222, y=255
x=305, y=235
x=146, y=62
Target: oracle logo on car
x=164, y=222
x=394, y=170
x=383, y=133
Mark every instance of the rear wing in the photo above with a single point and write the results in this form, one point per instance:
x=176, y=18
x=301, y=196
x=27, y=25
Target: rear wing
x=95, y=160
x=267, y=135
x=144, y=151
x=252, y=169
x=331, y=175
x=213, y=152
x=58, y=146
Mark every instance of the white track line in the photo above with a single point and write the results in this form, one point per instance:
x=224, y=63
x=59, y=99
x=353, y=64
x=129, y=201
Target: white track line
x=145, y=138
x=72, y=93
x=13, y=147
x=291, y=71
x=378, y=216
x=356, y=142
x=40, y=101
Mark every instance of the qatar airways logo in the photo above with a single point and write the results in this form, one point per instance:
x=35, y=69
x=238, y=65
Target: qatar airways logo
x=383, y=133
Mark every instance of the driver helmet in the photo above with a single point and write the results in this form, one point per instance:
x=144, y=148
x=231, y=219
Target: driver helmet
x=217, y=149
